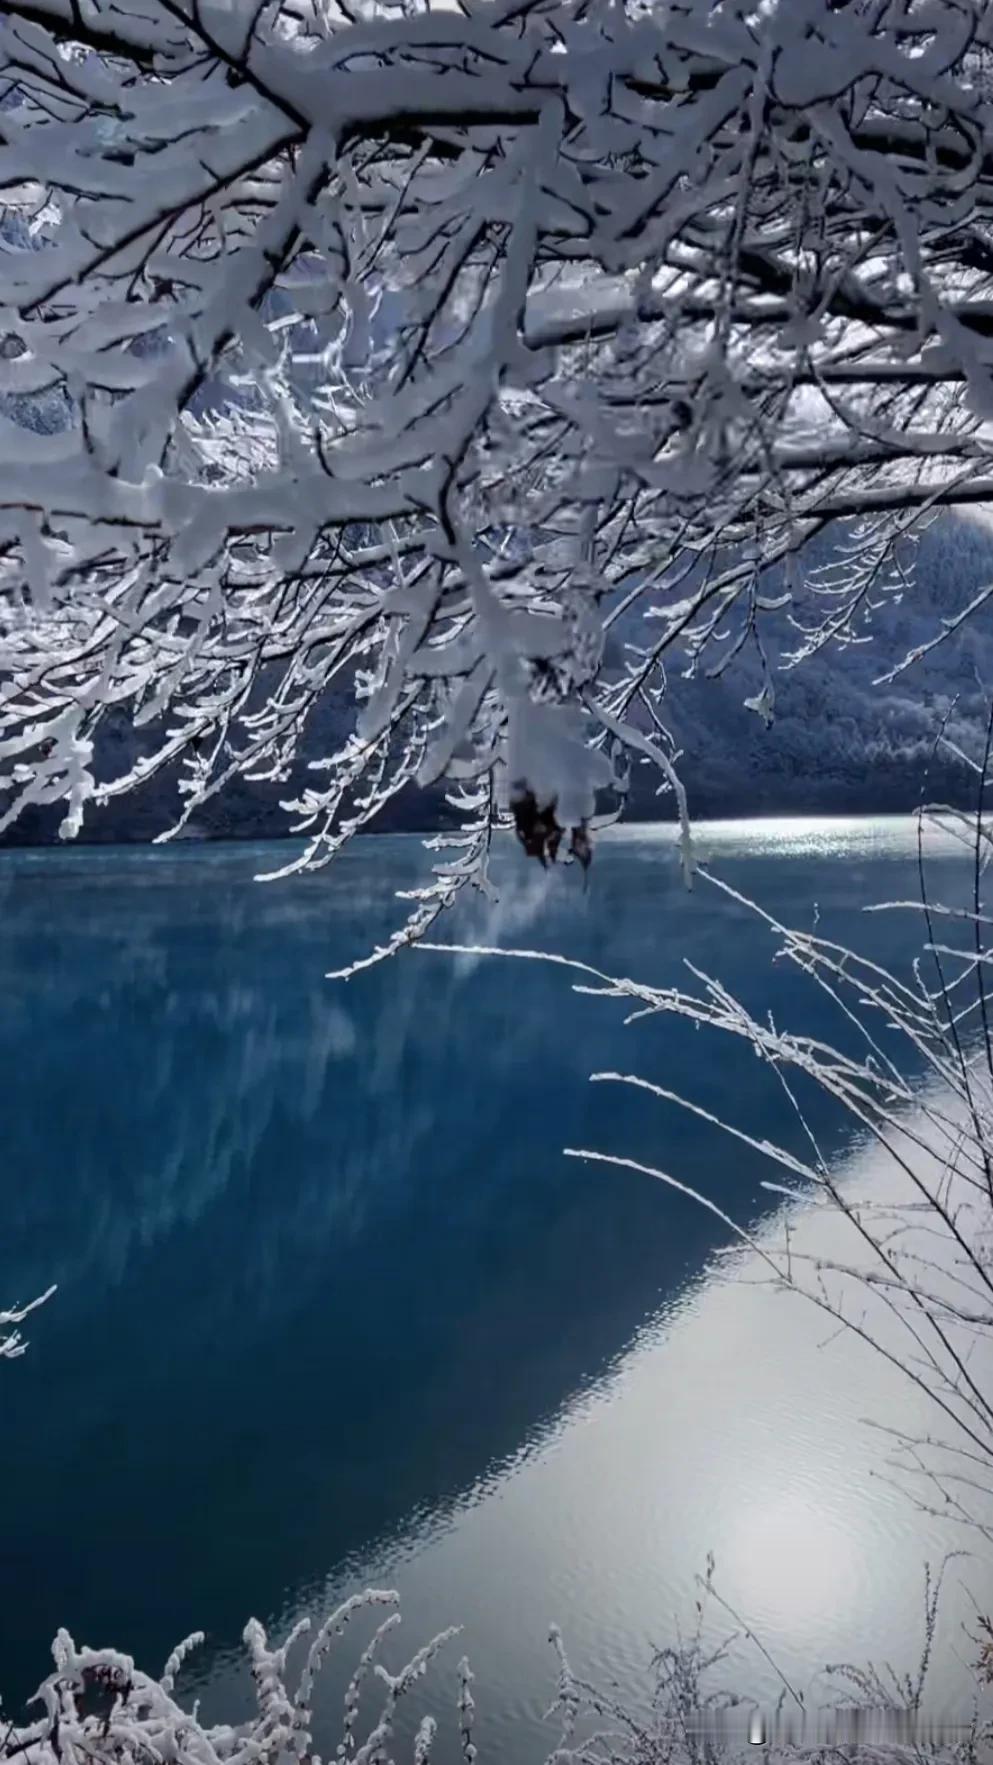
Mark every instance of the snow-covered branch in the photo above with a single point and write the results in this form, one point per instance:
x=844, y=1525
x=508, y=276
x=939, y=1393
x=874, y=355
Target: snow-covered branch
x=12, y=1343
x=385, y=356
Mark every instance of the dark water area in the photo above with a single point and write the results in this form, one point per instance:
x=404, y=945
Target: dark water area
x=325, y=1277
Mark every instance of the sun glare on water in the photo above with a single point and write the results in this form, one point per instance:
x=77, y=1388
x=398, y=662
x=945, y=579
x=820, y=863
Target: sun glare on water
x=791, y=1555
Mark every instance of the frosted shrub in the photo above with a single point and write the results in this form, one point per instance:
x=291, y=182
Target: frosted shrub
x=856, y=1715
x=98, y=1707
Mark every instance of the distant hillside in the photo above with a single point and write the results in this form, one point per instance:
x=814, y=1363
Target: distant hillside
x=838, y=744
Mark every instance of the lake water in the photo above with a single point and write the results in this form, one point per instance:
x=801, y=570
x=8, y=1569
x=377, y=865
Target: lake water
x=334, y=1309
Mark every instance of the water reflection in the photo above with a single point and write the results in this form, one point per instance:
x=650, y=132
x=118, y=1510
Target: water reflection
x=324, y=1275
x=737, y=1424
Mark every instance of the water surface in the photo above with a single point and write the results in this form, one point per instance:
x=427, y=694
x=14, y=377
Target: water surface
x=333, y=1307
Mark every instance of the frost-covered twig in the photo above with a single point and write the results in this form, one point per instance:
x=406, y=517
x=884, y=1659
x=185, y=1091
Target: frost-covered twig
x=364, y=368
x=913, y=1276
x=12, y=1343
x=99, y=1708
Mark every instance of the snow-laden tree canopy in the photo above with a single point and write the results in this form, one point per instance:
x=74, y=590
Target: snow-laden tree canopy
x=403, y=352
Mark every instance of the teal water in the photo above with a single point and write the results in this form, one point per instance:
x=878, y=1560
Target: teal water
x=332, y=1306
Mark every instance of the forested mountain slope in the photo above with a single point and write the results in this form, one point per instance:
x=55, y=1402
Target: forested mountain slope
x=841, y=740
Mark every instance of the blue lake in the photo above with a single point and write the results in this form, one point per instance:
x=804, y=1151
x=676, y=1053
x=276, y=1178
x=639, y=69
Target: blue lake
x=333, y=1308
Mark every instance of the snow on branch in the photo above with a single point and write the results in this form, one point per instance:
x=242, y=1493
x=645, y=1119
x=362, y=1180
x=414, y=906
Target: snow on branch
x=97, y=1706
x=364, y=367
x=12, y=1343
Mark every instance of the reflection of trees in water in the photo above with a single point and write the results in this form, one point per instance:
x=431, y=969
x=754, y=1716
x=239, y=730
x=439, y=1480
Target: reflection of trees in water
x=167, y=1029
x=148, y=1051
x=161, y=1023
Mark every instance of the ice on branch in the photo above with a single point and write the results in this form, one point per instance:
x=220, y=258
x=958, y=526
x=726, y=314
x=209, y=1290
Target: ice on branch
x=388, y=394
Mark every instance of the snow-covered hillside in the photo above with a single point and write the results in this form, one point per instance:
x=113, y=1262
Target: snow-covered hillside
x=841, y=739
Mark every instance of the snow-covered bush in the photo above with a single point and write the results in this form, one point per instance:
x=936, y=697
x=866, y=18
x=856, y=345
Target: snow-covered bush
x=100, y=1709
x=97, y=1706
